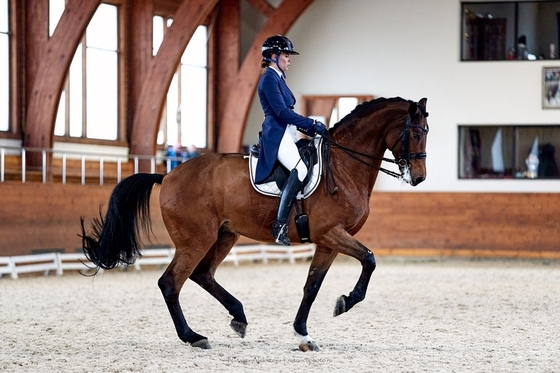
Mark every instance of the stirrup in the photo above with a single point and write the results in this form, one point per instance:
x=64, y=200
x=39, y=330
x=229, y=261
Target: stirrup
x=280, y=233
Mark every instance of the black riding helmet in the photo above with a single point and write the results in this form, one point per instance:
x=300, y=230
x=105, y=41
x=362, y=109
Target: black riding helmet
x=275, y=45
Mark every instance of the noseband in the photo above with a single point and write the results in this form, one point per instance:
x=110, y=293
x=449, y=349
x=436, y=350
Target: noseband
x=403, y=161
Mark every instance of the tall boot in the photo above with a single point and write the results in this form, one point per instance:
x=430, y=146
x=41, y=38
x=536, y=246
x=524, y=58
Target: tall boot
x=289, y=193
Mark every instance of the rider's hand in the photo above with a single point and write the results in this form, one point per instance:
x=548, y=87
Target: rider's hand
x=319, y=128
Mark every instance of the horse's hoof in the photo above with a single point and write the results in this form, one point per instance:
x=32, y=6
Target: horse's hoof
x=340, y=306
x=239, y=328
x=203, y=344
x=308, y=346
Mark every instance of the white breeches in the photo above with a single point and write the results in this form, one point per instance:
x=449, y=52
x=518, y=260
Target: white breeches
x=288, y=153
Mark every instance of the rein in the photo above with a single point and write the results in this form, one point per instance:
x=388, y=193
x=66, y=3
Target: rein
x=402, y=161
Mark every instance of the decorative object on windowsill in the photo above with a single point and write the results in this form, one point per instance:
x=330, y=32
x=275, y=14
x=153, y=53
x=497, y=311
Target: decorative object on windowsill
x=551, y=93
x=532, y=160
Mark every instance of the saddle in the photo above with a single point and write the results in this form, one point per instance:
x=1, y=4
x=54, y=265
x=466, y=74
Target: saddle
x=310, y=153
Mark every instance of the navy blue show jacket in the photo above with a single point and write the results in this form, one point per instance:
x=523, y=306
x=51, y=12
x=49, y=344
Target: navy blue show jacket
x=277, y=101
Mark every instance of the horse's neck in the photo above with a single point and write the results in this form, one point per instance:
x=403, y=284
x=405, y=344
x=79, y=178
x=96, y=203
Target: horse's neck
x=367, y=137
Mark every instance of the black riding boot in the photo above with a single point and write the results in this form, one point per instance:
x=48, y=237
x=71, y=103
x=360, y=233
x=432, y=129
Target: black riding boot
x=289, y=193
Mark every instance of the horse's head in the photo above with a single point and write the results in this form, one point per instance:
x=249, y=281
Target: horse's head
x=409, y=147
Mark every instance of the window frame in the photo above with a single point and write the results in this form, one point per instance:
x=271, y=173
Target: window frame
x=511, y=47
x=516, y=144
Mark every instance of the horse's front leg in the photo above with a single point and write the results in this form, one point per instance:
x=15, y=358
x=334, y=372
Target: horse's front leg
x=320, y=264
x=348, y=245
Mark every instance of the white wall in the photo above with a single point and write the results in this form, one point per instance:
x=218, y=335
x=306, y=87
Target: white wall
x=411, y=48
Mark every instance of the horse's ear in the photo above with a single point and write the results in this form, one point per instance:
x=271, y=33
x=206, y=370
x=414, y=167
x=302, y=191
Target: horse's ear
x=412, y=108
x=423, y=102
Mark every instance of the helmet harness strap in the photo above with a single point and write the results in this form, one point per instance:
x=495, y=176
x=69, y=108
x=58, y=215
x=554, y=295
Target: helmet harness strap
x=276, y=62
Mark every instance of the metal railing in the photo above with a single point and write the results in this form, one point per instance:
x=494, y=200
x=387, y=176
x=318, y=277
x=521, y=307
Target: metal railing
x=83, y=157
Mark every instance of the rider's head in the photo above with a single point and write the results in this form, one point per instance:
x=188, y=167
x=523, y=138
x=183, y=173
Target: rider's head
x=272, y=47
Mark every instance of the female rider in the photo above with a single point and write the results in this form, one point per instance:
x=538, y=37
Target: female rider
x=278, y=136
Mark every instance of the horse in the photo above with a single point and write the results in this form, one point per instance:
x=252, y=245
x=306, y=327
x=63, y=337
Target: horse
x=208, y=202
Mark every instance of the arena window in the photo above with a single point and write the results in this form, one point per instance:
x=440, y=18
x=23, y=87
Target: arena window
x=509, y=152
x=510, y=30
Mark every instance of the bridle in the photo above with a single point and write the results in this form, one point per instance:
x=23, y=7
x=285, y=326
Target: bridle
x=403, y=161
x=404, y=137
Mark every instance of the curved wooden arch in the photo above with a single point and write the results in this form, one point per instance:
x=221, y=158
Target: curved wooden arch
x=55, y=60
x=57, y=53
x=232, y=124
x=152, y=96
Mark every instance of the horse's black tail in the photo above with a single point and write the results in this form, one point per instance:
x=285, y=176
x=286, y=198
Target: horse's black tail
x=116, y=239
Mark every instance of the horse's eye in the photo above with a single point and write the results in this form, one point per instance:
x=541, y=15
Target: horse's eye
x=416, y=136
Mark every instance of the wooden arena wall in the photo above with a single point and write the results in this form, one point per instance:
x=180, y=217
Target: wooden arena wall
x=37, y=217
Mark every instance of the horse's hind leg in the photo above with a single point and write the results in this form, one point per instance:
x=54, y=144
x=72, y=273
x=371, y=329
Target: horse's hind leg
x=320, y=264
x=203, y=275
x=188, y=254
x=170, y=284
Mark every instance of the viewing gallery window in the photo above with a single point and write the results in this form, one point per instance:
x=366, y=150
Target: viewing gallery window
x=506, y=152
x=88, y=105
x=4, y=67
x=510, y=30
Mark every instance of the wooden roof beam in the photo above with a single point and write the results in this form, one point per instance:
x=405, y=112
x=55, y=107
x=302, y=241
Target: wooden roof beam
x=262, y=6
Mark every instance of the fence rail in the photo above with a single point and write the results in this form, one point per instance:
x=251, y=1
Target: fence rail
x=59, y=262
x=60, y=160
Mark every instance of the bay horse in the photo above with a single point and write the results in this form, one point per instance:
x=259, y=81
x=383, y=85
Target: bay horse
x=208, y=202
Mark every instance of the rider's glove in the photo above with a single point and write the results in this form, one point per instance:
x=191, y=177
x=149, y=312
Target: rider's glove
x=319, y=128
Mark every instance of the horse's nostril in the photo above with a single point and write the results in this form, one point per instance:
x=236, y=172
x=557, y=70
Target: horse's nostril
x=418, y=180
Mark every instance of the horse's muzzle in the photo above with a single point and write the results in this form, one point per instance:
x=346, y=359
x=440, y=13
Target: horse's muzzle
x=417, y=180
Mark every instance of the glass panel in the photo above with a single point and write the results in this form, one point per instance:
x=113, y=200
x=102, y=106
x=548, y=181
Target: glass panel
x=505, y=152
x=76, y=94
x=485, y=151
x=56, y=8
x=193, y=106
x=542, y=142
x=4, y=87
x=4, y=25
x=195, y=53
x=4, y=67
x=102, y=30
x=157, y=33
x=59, y=123
x=513, y=30
x=101, y=94
x=173, y=116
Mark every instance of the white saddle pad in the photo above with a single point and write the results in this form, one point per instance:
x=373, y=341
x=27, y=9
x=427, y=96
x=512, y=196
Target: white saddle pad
x=271, y=189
